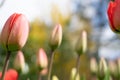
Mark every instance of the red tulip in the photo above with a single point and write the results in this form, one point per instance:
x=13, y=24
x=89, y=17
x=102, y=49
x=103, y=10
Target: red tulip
x=42, y=61
x=15, y=32
x=114, y=15
x=11, y=74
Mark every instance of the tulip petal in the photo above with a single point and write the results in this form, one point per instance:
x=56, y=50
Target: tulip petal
x=6, y=30
x=56, y=37
x=11, y=74
x=19, y=62
x=15, y=32
x=42, y=60
x=110, y=14
x=116, y=15
x=19, y=33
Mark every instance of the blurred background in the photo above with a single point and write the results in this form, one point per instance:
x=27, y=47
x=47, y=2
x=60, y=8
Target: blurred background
x=74, y=16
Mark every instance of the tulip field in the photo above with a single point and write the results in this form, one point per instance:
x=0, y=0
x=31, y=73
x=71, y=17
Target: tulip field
x=33, y=50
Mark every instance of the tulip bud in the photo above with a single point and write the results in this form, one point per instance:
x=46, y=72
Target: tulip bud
x=113, y=68
x=26, y=69
x=73, y=73
x=102, y=68
x=19, y=62
x=114, y=15
x=93, y=66
x=42, y=61
x=15, y=32
x=81, y=46
x=56, y=37
x=55, y=77
x=11, y=74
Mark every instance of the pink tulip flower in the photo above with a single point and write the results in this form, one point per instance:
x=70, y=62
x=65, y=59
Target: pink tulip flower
x=114, y=15
x=42, y=61
x=15, y=32
x=19, y=62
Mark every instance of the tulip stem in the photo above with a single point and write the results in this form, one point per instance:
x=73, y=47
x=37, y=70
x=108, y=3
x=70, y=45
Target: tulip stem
x=50, y=66
x=77, y=67
x=6, y=64
x=40, y=77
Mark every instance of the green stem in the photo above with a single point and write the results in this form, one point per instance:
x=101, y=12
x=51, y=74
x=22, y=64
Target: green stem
x=101, y=79
x=6, y=64
x=77, y=67
x=50, y=66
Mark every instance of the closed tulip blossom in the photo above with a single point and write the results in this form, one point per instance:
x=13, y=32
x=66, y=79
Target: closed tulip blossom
x=114, y=15
x=19, y=62
x=56, y=37
x=42, y=61
x=15, y=32
x=81, y=46
x=102, y=68
x=11, y=74
x=55, y=42
x=93, y=66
